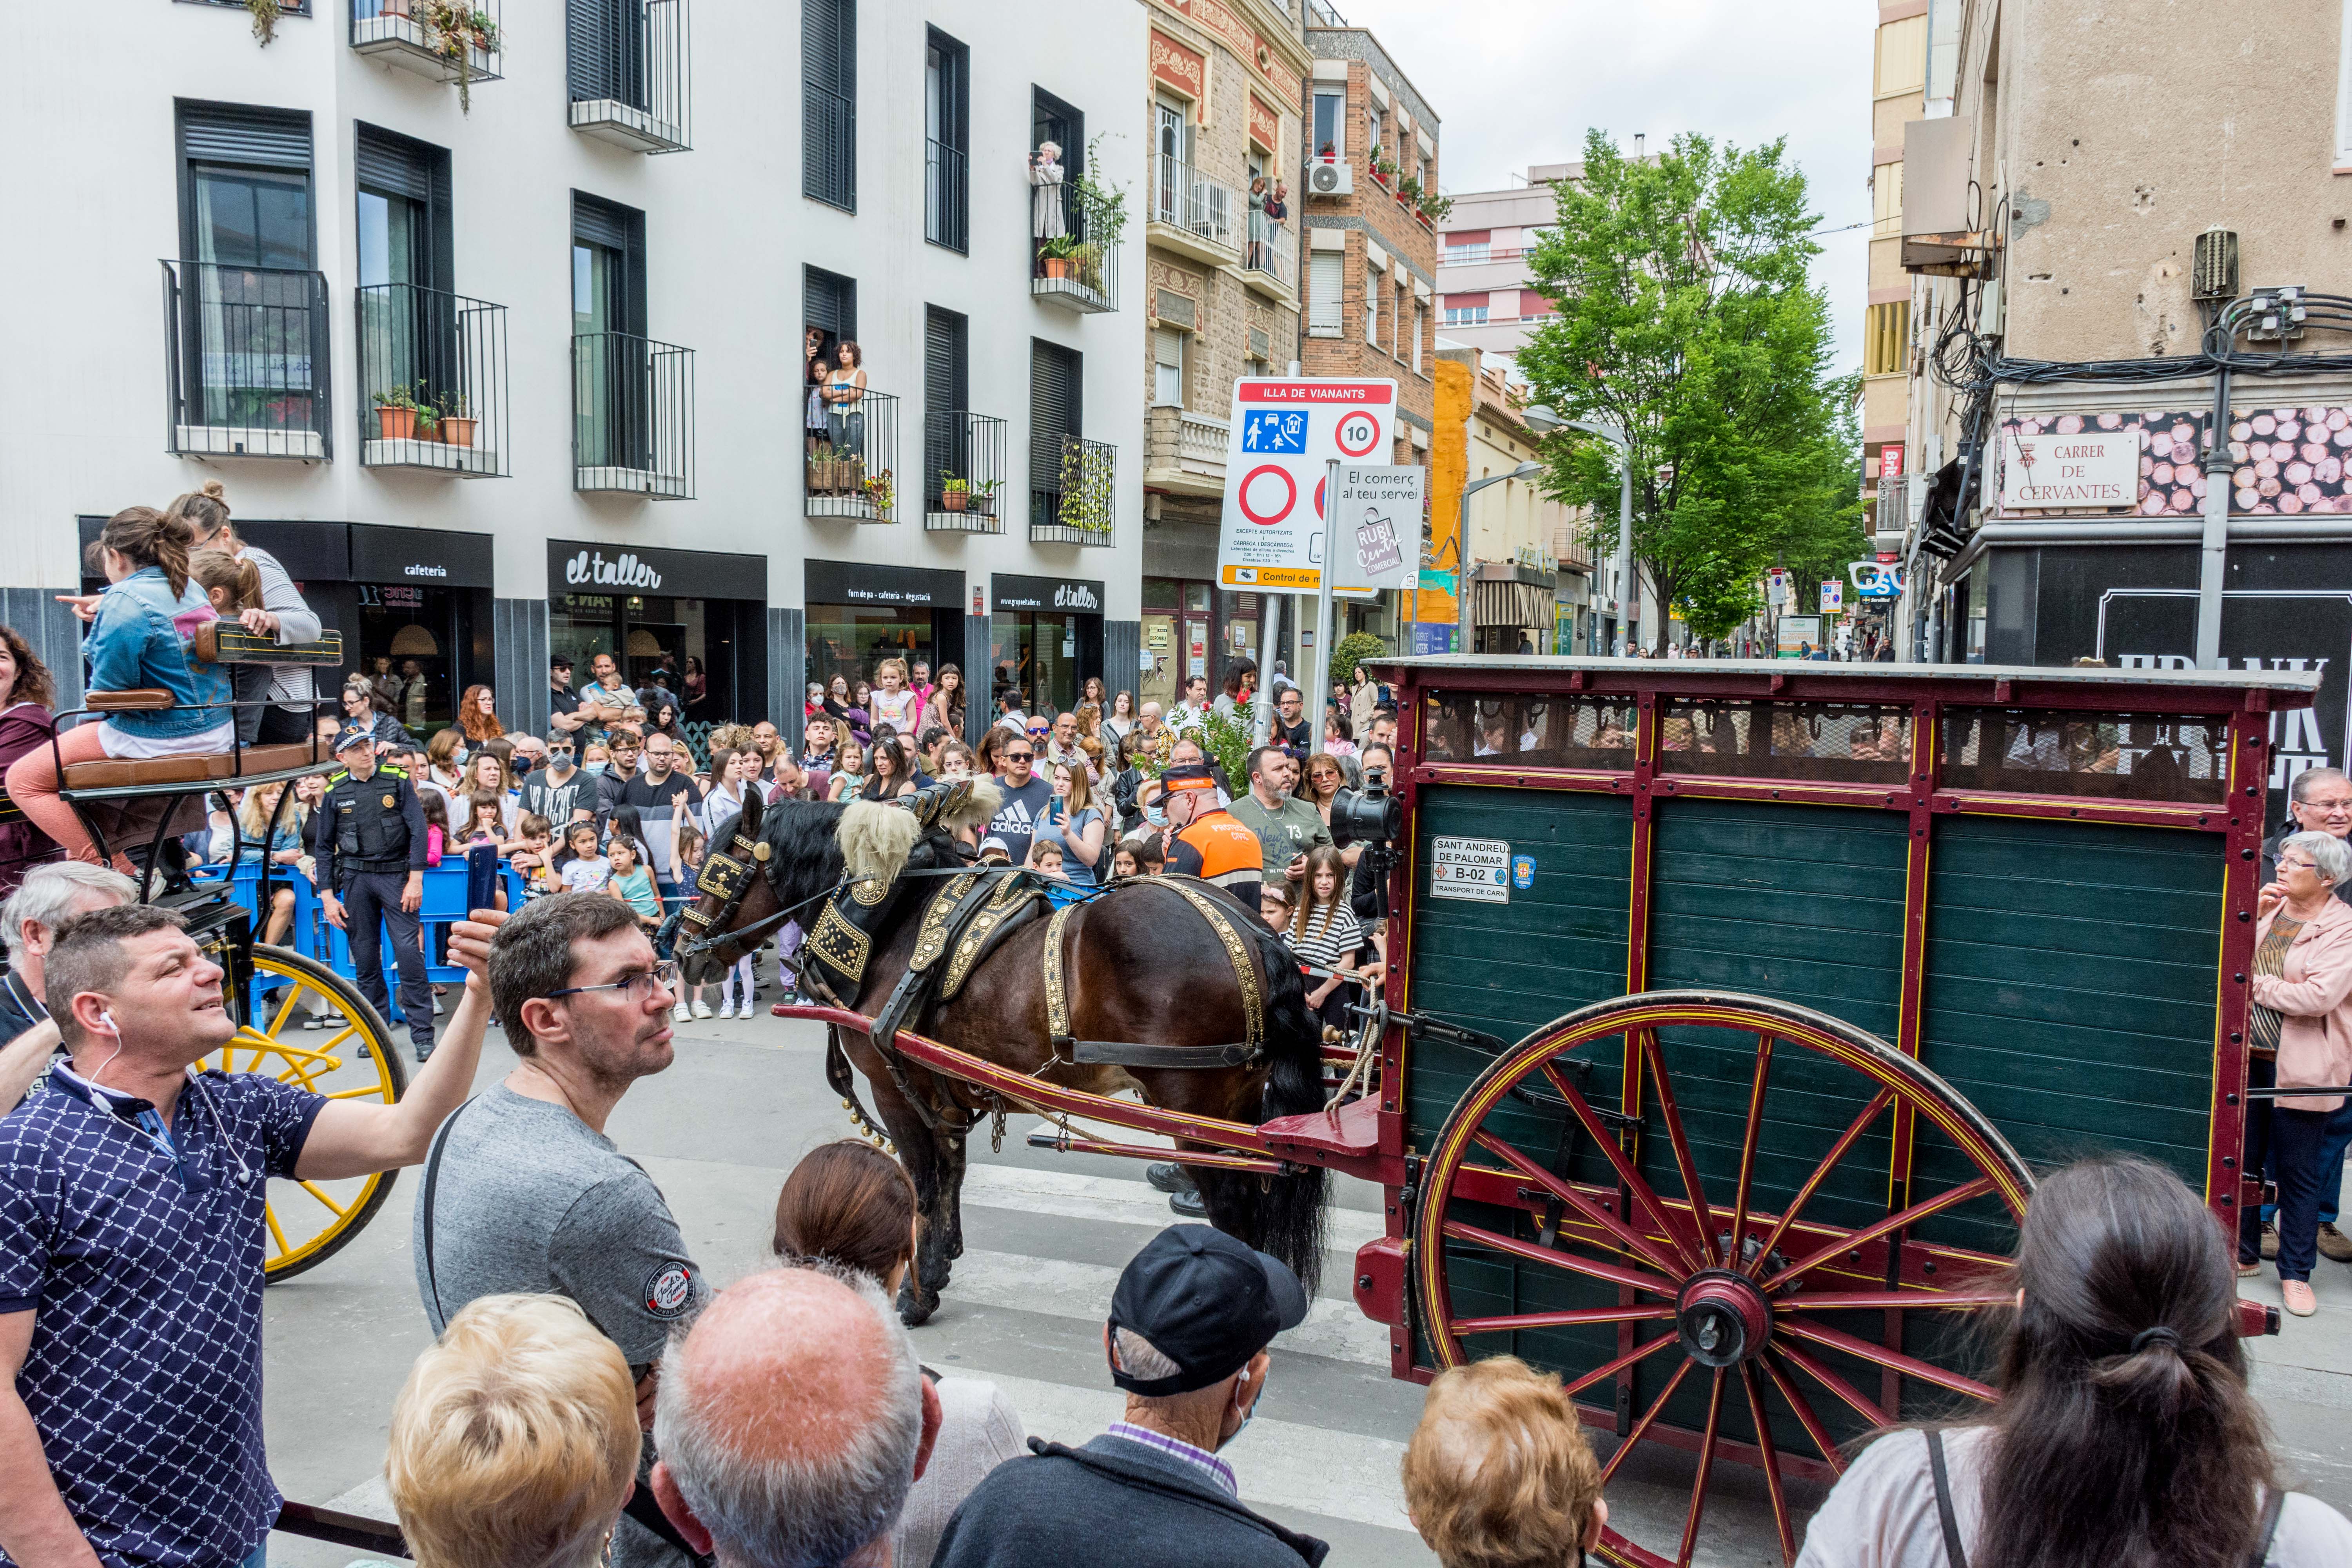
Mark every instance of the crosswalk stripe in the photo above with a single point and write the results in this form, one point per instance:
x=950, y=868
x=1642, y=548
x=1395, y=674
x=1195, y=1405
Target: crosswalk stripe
x=1074, y=1196
x=1335, y=1327
x=1338, y=1475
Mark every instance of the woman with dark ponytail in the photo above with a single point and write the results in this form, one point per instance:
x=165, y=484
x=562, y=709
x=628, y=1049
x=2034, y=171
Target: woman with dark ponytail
x=2123, y=1436
x=137, y=635
x=275, y=702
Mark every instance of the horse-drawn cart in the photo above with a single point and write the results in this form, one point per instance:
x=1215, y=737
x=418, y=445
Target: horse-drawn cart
x=1808, y=967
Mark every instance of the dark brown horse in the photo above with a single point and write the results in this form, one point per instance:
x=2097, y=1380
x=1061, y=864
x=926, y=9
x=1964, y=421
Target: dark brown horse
x=1142, y=965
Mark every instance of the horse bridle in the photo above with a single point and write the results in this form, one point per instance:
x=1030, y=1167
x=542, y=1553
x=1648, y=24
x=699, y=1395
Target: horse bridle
x=726, y=877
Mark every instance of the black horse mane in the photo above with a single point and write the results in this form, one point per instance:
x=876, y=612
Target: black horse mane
x=804, y=853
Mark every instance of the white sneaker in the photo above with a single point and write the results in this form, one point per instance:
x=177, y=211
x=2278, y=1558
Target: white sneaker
x=727, y=1009
x=701, y=1009
x=678, y=1015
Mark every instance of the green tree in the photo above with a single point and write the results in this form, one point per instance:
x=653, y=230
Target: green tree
x=1685, y=319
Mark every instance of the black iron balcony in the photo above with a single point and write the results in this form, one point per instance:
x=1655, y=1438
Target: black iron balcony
x=1073, y=251
x=245, y=354
x=947, y=197
x=433, y=381
x=852, y=465
x=1081, y=505
x=1270, y=258
x=963, y=470
x=629, y=73
x=631, y=415
x=442, y=40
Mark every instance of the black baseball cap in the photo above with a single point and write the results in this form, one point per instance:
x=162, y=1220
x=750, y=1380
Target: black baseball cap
x=559, y=661
x=1206, y=1301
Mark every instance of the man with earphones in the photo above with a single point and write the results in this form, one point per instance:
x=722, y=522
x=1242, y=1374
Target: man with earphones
x=1191, y=1320
x=30, y=918
x=133, y=1230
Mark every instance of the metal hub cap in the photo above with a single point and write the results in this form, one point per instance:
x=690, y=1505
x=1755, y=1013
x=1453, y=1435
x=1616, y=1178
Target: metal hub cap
x=1723, y=1318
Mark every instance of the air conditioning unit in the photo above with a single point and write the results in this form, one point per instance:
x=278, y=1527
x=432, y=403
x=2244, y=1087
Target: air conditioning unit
x=1330, y=180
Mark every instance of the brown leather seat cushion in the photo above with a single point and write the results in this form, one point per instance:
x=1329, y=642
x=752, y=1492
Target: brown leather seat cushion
x=201, y=768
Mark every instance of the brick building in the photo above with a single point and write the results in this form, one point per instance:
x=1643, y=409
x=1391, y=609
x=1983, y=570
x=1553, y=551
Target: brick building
x=1371, y=252
x=1225, y=80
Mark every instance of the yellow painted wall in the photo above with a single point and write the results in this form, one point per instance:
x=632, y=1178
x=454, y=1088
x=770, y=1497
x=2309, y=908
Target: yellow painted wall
x=1449, y=462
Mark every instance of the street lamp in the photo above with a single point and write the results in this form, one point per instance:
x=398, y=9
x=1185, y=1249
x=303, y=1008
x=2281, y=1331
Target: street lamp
x=1615, y=435
x=1464, y=636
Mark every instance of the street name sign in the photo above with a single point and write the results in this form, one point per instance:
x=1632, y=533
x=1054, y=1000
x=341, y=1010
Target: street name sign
x=1284, y=436
x=2088, y=469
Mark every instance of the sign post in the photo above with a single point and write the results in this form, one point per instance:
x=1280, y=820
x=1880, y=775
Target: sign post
x=1283, y=458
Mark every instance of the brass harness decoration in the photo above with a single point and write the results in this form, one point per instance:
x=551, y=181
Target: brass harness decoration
x=1057, y=999
x=1011, y=894
x=939, y=920
x=840, y=944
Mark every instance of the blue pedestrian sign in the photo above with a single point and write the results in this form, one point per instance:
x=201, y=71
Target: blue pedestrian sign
x=1275, y=430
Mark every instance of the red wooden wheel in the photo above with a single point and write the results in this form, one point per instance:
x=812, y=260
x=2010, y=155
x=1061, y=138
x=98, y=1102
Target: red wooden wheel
x=1738, y=1228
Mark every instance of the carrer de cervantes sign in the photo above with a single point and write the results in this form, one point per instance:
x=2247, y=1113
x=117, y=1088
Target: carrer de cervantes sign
x=2089, y=471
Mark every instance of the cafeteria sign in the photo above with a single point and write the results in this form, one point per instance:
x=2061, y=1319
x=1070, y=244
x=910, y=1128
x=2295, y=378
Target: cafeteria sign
x=2088, y=470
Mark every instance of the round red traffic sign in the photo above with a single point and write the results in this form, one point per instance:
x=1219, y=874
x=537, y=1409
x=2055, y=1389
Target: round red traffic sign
x=1356, y=428
x=1273, y=515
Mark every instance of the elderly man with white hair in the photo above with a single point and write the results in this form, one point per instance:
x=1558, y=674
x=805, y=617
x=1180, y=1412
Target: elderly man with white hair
x=791, y=1420
x=29, y=920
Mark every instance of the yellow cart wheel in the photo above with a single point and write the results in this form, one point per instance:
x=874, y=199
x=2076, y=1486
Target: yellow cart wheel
x=309, y=1222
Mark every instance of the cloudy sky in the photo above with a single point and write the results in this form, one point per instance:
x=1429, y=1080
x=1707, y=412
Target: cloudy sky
x=1516, y=82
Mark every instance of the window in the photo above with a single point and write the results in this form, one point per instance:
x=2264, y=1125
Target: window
x=946, y=132
x=1168, y=367
x=1056, y=389
x=611, y=358
x=947, y=375
x=1171, y=181
x=829, y=308
x=2344, y=94
x=1330, y=137
x=408, y=328
x=1375, y=133
x=1324, y=268
x=1373, y=285
x=1887, y=201
x=254, y=327
x=1534, y=305
x=1466, y=255
x=1466, y=315
x=1888, y=340
x=829, y=103
x=1420, y=315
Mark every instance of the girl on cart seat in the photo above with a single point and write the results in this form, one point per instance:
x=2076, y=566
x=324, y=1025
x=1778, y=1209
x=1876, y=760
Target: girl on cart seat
x=138, y=639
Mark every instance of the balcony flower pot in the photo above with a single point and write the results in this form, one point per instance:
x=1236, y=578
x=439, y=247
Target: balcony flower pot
x=395, y=424
x=1060, y=267
x=457, y=431
x=954, y=501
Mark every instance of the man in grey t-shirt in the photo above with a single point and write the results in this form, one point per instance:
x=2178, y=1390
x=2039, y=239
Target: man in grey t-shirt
x=523, y=1191
x=1286, y=825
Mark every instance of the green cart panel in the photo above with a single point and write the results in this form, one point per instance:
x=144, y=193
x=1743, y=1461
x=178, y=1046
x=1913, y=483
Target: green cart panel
x=1509, y=968
x=2069, y=984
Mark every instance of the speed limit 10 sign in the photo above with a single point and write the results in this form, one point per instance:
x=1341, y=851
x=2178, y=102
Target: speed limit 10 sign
x=1284, y=434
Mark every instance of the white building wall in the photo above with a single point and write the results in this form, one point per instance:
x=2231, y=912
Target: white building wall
x=94, y=202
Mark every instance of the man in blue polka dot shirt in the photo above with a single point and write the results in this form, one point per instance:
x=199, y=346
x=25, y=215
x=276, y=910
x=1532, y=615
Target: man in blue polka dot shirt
x=132, y=1222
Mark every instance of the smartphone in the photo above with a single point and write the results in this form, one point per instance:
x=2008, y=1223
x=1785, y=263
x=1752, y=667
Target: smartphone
x=481, y=878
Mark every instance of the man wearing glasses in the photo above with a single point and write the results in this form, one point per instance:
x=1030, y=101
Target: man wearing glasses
x=2318, y=801
x=1025, y=795
x=522, y=1190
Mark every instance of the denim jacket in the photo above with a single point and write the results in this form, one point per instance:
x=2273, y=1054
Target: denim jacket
x=138, y=640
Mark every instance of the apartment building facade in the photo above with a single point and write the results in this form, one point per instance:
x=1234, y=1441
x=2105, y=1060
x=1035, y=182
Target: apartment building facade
x=1373, y=171
x=1531, y=567
x=1487, y=299
x=2053, y=216
x=1222, y=244
x=1898, y=96
x=505, y=366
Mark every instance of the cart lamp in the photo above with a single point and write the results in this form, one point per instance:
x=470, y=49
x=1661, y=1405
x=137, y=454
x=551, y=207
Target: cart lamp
x=1366, y=816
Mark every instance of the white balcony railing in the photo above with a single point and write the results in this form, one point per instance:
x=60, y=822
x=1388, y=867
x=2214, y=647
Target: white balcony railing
x=1184, y=198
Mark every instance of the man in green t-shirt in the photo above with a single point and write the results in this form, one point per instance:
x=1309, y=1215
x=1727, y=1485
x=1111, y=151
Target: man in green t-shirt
x=1287, y=826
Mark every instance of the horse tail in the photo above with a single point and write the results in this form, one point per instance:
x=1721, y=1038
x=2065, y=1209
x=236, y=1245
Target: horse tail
x=1290, y=1212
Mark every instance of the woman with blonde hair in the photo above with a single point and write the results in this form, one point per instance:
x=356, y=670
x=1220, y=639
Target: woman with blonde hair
x=514, y=1442
x=256, y=840
x=1498, y=1473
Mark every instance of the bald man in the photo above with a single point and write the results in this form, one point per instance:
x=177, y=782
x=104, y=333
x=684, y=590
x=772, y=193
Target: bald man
x=791, y=1420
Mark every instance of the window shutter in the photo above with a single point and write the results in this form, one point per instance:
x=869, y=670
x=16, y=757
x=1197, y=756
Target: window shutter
x=393, y=165
x=1324, y=273
x=602, y=223
x=256, y=138
x=829, y=102
x=829, y=300
x=1053, y=388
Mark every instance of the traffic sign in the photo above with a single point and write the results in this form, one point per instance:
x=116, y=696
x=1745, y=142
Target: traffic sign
x=1283, y=436
x=1832, y=597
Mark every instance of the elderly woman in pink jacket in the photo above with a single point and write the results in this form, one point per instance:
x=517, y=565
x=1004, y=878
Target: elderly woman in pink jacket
x=2299, y=1032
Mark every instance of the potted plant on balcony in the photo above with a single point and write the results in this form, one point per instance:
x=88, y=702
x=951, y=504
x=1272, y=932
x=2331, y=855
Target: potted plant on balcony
x=1058, y=254
x=428, y=423
x=264, y=15
x=1089, y=257
x=983, y=497
x=456, y=30
x=1434, y=209
x=955, y=494
x=824, y=471
x=1408, y=190
x=879, y=495
x=457, y=426
x=396, y=414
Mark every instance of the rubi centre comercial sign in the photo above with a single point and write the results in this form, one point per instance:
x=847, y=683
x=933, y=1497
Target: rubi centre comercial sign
x=2086, y=469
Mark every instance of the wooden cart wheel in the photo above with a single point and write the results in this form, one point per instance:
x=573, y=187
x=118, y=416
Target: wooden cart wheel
x=1737, y=1228
x=310, y=1221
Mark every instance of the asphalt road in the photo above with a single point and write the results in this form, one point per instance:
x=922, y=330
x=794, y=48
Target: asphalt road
x=1046, y=1235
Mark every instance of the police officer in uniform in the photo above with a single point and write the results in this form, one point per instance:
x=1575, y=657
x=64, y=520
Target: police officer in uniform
x=369, y=838
x=1209, y=842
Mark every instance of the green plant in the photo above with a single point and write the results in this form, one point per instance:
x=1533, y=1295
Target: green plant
x=1089, y=257
x=1351, y=650
x=1228, y=741
x=397, y=397
x=428, y=422
x=1061, y=247
x=1435, y=207
x=1409, y=188
x=456, y=29
x=823, y=453
x=879, y=490
x=951, y=486
x=1105, y=204
x=264, y=19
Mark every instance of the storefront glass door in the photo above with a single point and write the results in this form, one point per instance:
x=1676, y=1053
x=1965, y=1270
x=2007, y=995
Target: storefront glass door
x=1161, y=644
x=1038, y=654
x=408, y=643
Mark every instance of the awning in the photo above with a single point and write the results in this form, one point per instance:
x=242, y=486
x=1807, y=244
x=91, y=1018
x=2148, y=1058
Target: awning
x=1511, y=605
